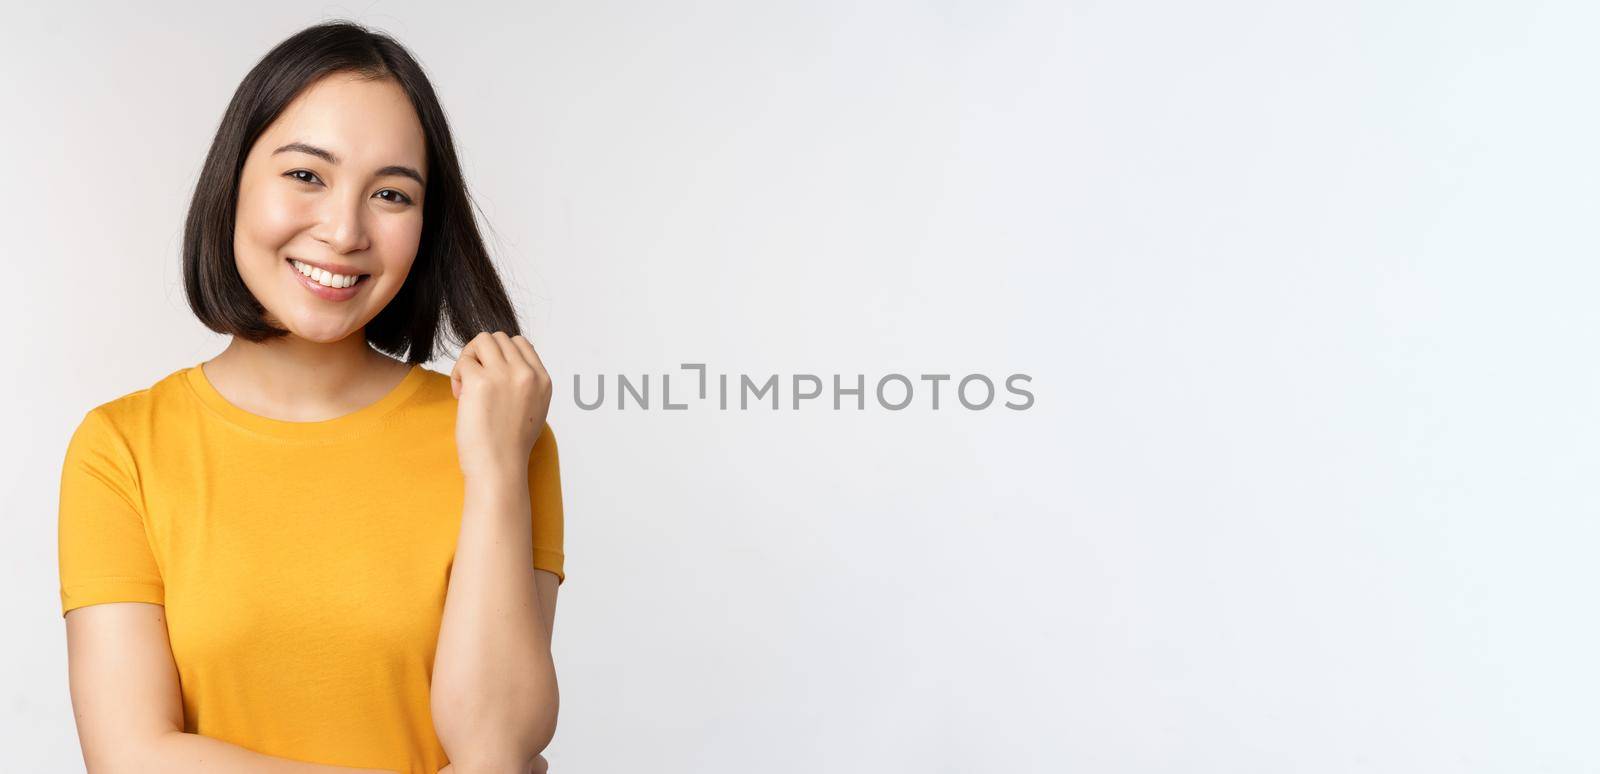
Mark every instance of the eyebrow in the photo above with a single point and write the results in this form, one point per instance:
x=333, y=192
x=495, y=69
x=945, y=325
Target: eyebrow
x=325, y=155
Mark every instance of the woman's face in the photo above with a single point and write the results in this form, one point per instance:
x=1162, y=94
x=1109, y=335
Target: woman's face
x=329, y=184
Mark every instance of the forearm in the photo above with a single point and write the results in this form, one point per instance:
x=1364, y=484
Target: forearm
x=175, y=752
x=450, y=768
x=494, y=696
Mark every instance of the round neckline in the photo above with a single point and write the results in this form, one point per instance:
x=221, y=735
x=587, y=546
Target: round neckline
x=362, y=419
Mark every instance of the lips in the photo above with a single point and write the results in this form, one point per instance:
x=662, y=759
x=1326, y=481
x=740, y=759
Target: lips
x=326, y=292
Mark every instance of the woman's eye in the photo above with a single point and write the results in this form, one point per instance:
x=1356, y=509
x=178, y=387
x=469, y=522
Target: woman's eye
x=307, y=176
x=398, y=197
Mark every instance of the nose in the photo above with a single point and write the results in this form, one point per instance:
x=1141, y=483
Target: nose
x=343, y=223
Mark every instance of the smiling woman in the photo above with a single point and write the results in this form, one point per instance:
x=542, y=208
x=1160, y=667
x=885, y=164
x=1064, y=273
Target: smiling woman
x=389, y=605
x=315, y=202
x=339, y=172
x=336, y=144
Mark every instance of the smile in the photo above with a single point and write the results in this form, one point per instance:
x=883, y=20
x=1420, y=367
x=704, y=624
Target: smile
x=325, y=284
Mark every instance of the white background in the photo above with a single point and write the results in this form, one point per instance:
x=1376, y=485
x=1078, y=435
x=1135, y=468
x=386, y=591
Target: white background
x=1306, y=291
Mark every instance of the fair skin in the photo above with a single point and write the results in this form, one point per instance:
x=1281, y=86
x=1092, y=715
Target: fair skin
x=494, y=695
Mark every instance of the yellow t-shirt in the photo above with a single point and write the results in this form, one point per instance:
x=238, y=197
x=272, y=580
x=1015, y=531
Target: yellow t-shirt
x=303, y=565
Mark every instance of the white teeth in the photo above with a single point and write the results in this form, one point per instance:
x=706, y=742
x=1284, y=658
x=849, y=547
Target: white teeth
x=326, y=278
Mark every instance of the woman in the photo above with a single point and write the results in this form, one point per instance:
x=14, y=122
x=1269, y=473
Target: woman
x=309, y=553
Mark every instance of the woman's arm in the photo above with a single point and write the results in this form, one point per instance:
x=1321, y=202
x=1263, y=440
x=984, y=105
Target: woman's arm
x=128, y=707
x=494, y=695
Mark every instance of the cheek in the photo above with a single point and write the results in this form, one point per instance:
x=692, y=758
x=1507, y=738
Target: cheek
x=395, y=239
x=267, y=222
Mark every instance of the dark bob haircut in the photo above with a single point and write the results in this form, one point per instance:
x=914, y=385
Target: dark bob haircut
x=452, y=276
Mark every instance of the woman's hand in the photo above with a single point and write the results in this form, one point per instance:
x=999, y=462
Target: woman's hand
x=503, y=394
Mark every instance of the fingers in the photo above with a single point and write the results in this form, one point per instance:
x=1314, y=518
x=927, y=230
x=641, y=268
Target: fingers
x=486, y=346
x=509, y=352
x=467, y=367
x=492, y=350
x=526, y=347
x=479, y=353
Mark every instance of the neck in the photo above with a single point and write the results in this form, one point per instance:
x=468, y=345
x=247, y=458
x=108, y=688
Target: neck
x=294, y=378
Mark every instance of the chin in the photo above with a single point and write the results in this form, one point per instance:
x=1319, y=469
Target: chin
x=320, y=334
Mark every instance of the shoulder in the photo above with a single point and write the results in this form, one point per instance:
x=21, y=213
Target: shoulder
x=432, y=401
x=133, y=414
x=433, y=382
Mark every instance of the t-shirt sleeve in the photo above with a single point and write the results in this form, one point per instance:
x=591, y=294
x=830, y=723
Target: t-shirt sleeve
x=102, y=546
x=544, y=493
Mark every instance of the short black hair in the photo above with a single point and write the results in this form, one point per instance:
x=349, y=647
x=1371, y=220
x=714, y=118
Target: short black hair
x=452, y=276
